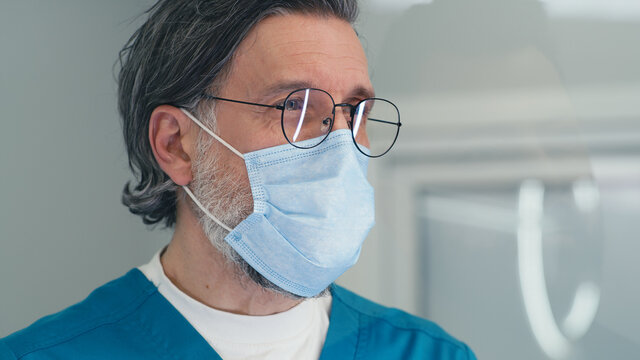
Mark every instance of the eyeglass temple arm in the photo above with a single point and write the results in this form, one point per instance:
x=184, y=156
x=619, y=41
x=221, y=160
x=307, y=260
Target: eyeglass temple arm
x=384, y=121
x=211, y=97
x=352, y=110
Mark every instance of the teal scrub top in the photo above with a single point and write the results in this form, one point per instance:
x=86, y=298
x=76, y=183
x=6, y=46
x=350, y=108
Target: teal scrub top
x=128, y=318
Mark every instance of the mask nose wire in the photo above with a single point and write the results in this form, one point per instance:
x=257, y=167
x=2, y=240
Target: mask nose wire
x=187, y=190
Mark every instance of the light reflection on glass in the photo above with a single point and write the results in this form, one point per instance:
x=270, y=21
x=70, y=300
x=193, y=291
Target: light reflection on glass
x=304, y=111
x=532, y=279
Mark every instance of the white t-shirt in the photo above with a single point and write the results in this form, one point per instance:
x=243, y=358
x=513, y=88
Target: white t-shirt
x=297, y=333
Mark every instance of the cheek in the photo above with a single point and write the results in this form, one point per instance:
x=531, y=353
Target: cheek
x=270, y=134
x=257, y=134
x=231, y=166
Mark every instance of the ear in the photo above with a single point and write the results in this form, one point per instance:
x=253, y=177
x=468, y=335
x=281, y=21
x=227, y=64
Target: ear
x=172, y=138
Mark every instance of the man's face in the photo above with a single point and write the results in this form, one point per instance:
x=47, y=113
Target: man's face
x=282, y=54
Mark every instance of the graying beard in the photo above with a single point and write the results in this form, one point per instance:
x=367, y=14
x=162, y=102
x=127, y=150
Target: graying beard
x=217, y=188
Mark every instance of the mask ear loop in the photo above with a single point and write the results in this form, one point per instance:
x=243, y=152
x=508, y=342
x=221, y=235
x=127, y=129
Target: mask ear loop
x=193, y=197
x=214, y=135
x=186, y=189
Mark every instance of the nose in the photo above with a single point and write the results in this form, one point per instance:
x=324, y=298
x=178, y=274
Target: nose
x=342, y=117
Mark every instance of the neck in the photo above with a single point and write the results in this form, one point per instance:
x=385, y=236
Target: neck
x=199, y=270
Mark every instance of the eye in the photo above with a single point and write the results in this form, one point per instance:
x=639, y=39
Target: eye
x=364, y=108
x=293, y=104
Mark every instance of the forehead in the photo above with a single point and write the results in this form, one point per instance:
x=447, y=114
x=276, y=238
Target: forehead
x=322, y=52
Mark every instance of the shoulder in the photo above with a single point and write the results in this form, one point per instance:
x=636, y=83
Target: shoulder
x=106, y=306
x=393, y=333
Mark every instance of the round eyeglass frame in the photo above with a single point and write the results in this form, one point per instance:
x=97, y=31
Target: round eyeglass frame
x=352, y=109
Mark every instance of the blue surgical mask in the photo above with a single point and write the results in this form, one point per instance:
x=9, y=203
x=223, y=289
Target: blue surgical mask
x=312, y=209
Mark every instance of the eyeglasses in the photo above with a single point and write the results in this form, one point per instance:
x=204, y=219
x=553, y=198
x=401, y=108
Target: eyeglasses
x=309, y=114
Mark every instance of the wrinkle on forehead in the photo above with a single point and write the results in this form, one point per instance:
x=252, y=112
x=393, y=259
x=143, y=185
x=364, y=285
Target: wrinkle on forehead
x=320, y=49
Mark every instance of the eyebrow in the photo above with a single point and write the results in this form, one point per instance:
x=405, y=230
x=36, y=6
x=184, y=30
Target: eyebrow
x=289, y=86
x=363, y=92
x=286, y=86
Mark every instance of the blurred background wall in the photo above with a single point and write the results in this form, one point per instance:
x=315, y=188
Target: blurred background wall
x=507, y=211
x=63, y=230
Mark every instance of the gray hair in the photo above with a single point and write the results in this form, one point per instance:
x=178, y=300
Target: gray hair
x=181, y=51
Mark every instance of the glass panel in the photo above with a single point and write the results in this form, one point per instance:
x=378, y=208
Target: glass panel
x=484, y=278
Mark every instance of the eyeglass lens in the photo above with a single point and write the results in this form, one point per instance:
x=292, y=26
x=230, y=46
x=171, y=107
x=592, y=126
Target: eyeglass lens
x=375, y=126
x=308, y=114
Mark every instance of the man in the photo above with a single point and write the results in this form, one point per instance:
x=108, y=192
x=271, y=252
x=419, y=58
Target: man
x=249, y=125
